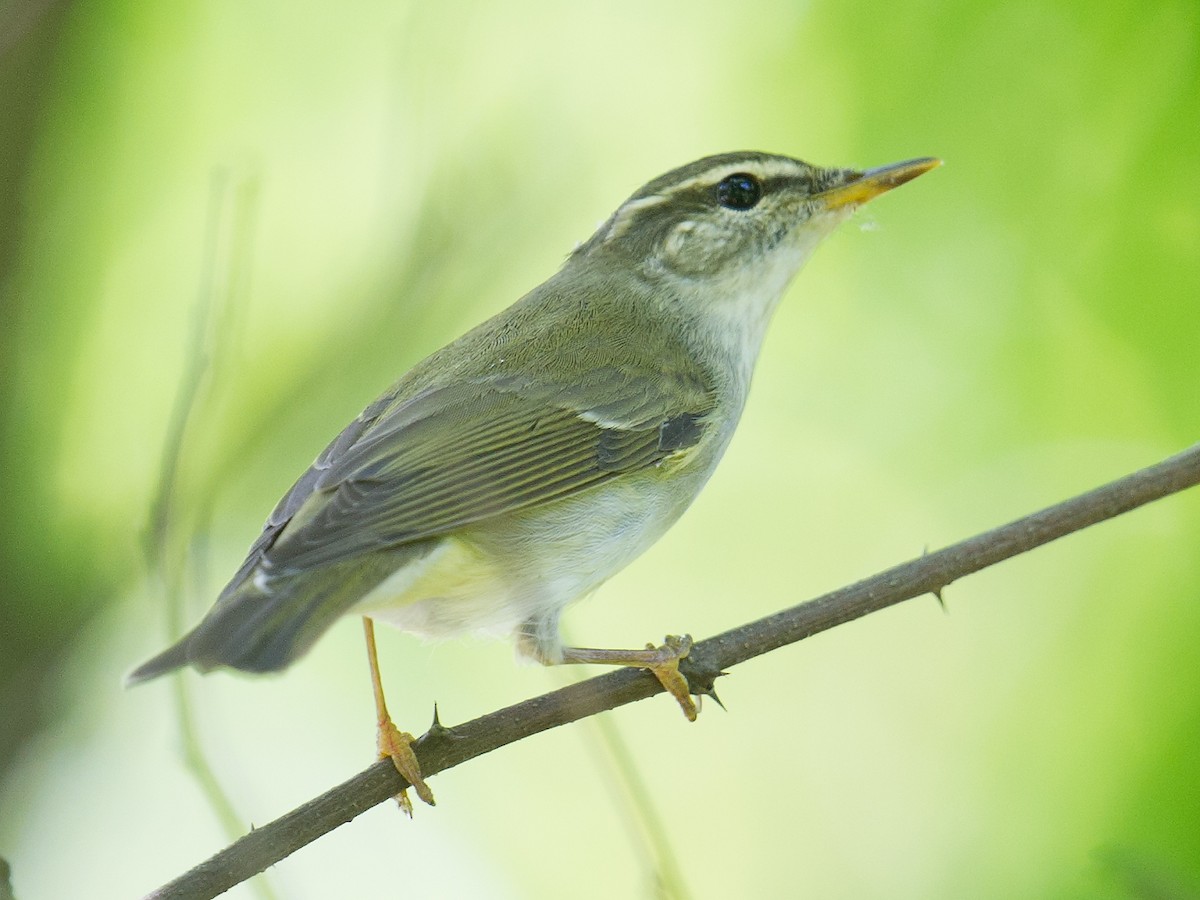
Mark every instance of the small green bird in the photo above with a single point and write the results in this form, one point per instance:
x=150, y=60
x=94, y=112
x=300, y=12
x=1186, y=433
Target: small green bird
x=519, y=467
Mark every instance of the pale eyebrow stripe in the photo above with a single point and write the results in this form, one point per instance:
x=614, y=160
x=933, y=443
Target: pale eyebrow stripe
x=627, y=213
x=763, y=169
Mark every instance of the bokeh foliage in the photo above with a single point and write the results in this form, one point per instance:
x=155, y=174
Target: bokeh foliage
x=345, y=187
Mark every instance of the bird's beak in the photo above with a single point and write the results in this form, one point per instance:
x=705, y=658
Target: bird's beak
x=863, y=186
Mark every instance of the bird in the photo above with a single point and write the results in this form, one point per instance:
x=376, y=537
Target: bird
x=517, y=468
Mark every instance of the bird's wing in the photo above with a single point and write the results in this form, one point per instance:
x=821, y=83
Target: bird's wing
x=454, y=455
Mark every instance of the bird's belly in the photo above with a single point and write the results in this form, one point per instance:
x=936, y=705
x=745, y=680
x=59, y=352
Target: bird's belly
x=451, y=590
x=493, y=576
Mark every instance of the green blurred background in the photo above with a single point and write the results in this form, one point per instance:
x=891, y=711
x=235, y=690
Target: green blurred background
x=320, y=195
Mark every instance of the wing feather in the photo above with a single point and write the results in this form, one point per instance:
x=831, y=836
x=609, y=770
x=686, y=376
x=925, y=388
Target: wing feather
x=450, y=457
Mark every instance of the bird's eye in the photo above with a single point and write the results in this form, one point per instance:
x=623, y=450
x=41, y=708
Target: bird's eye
x=739, y=191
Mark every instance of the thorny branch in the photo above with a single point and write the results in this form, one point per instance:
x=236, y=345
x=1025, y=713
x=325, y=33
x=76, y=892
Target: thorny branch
x=443, y=748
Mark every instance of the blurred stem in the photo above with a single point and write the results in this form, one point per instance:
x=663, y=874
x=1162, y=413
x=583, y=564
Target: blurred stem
x=669, y=876
x=640, y=808
x=221, y=273
x=162, y=505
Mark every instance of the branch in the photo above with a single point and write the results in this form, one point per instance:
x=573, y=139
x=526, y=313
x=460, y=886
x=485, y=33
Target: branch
x=443, y=748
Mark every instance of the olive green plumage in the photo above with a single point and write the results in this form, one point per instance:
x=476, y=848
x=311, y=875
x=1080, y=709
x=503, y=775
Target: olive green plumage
x=521, y=465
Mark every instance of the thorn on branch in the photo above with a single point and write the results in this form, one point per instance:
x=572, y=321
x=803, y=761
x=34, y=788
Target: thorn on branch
x=436, y=732
x=937, y=594
x=701, y=672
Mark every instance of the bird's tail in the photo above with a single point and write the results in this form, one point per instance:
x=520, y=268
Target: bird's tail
x=265, y=626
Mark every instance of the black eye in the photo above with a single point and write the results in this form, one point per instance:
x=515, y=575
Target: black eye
x=740, y=191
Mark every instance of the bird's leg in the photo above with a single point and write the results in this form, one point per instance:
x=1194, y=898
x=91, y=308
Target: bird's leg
x=662, y=661
x=393, y=743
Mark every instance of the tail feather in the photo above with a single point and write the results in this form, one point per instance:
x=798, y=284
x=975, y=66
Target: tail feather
x=174, y=657
x=266, y=629
x=259, y=631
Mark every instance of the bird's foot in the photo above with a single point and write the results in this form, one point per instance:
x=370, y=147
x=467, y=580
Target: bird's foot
x=673, y=649
x=396, y=745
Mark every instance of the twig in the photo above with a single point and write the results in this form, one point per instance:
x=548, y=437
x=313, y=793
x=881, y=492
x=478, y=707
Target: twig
x=443, y=748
